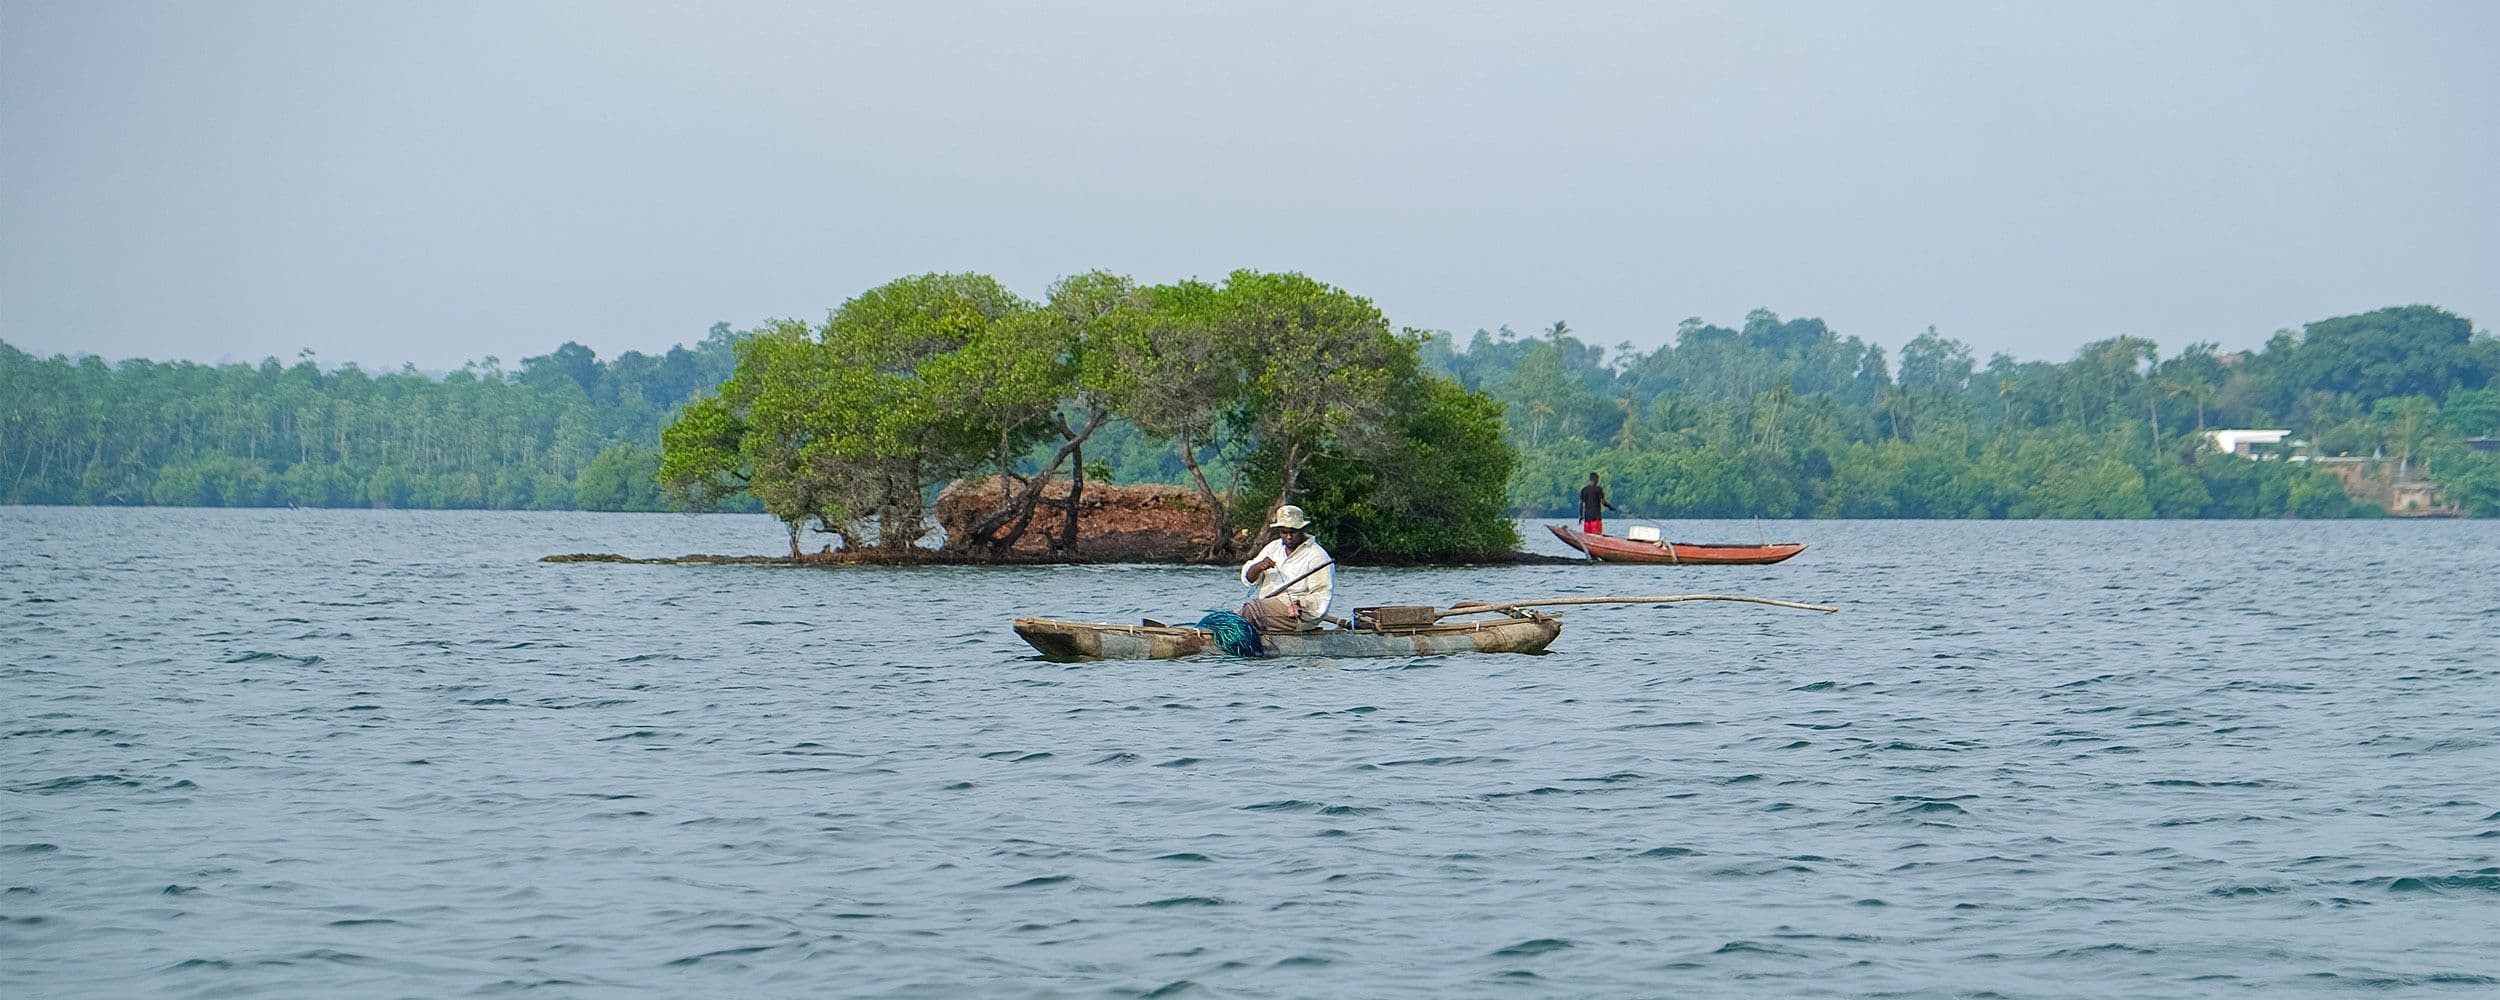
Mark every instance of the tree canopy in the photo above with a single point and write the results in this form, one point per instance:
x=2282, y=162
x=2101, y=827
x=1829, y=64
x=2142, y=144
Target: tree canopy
x=1786, y=418
x=85, y=431
x=846, y=427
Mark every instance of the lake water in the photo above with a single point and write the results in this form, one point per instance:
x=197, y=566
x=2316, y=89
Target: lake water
x=334, y=753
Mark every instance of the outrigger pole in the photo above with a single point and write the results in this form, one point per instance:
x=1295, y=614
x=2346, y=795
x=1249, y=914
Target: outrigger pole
x=1480, y=607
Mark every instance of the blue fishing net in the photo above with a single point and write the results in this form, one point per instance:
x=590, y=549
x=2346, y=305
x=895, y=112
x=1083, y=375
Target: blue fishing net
x=1233, y=633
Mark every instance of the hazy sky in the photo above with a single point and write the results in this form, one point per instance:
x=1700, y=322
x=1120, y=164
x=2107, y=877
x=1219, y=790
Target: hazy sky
x=436, y=182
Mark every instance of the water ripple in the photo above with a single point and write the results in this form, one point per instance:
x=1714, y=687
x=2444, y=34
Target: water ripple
x=389, y=753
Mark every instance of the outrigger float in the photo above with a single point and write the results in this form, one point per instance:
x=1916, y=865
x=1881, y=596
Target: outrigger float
x=1401, y=630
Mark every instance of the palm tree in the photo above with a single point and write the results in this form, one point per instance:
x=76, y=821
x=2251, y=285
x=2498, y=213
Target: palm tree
x=1626, y=437
x=1538, y=411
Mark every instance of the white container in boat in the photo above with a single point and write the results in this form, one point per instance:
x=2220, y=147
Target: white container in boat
x=1641, y=533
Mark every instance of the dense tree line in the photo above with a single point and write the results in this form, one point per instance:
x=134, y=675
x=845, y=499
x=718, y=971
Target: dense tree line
x=1264, y=386
x=1786, y=418
x=564, y=431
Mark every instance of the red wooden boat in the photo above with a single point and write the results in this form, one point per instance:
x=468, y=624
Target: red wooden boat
x=1607, y=548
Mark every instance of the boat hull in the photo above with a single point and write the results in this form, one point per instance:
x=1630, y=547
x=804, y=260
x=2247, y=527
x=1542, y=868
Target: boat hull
x=1607, y=548
x=1067, y=640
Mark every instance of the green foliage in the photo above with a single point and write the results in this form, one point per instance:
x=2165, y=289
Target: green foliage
x=1930, y=362
x=945, y=376
x=623, y=477
x=1437, y=490
x=845, y=428
x=2407, y=351
x=2175, y=491
x=2472, y=481
x=1337, y=414
x=1321, y=367
x=1264, y=387
x=2471, y=413
x=84, y=431
x=2105, y=488
x=1783, y=418
x=702, y=463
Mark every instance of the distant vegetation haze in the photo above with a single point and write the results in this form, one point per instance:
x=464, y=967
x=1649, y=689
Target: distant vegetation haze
x=1771, y=418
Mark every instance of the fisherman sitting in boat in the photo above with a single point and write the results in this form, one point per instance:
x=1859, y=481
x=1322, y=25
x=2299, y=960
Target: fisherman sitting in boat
x=1294, y=577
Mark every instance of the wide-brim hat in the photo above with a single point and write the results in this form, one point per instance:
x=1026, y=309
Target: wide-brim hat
x=1289, y=516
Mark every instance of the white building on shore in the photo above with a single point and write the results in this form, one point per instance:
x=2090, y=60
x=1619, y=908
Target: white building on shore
x=2245, y=442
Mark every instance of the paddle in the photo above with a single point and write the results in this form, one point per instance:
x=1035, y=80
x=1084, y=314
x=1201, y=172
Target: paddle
x=1151, y=623
x=1306, y=574
x=1481, y=607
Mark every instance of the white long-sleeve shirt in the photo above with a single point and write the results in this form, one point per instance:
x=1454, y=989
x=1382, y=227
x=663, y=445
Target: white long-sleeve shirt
x=1314, y=591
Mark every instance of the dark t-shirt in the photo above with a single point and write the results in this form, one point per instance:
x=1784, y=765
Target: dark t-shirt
x=1592, y=497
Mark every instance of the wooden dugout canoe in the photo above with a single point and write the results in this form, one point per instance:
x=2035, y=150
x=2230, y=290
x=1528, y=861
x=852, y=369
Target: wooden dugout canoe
x=1607, y=548
x=1066, y=640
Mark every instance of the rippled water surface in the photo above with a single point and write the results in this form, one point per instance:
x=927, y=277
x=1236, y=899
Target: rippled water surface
x=315, y=753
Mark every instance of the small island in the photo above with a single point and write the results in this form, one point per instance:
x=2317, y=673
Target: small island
x=949, y=385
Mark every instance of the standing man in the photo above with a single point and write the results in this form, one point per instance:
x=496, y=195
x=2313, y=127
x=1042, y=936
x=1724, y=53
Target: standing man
x=1300, y=567
x=1593, y=505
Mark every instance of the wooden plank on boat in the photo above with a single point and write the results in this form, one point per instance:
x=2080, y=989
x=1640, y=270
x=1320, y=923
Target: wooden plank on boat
x=1395, y=615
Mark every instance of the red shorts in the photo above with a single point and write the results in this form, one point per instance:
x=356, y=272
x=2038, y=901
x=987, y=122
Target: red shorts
x=1597, y=527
